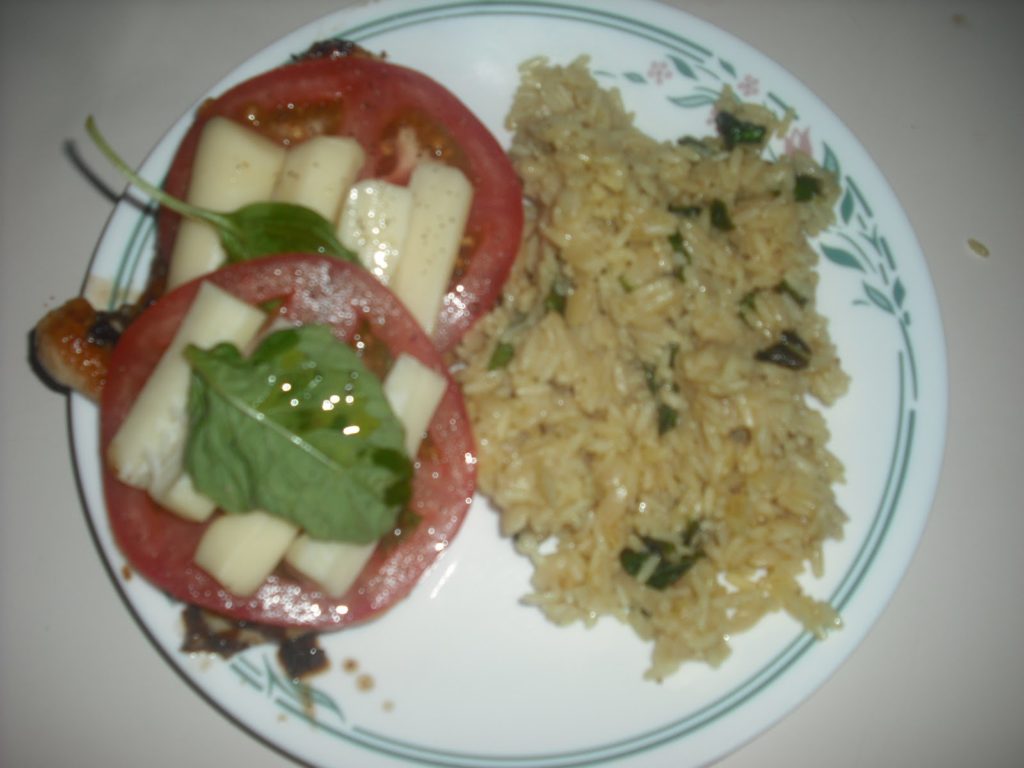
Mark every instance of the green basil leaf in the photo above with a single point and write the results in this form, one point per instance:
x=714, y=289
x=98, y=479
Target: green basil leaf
x=501, y=356
x=806, y=187
x=668, y=573
x=262, y=229
x=735, y=131
x=300, y=429
x=668, y=418
x=784, y=287
x=720, y=218
x=790, y=351
x=671, y=564
x=558, y=295
x=632, y=561
x=255, y=230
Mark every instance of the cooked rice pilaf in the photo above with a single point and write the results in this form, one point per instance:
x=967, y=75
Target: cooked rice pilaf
x=639, y=397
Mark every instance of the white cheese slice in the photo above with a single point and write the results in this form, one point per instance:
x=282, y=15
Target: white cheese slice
x=182, y=498
x=234, y=166
x=441, y=198
x=241, y=550
x=333, y=565
x=374, y=223
x=414, y=391
x=318, y=173
x=148, y=450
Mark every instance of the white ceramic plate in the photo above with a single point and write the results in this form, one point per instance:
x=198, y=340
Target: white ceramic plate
x=462, y=675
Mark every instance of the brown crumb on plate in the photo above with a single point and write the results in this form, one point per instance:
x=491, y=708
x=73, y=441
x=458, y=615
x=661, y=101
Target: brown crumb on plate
x=365, y=682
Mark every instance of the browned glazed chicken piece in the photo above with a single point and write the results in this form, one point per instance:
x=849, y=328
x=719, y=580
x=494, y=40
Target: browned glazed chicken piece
x=73, y=342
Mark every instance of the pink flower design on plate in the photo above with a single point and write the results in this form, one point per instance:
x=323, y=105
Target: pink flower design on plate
x=659, y=72
x=749, y=86
x=798, y=140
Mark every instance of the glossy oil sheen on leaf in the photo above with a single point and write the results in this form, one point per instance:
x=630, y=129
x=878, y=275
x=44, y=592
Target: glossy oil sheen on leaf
x=300, y=429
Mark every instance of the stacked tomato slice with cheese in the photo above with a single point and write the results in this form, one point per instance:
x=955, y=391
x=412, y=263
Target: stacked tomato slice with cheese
x=401, y=120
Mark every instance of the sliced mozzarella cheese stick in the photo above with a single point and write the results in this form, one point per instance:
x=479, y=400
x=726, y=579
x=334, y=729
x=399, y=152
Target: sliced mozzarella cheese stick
x=182, y=498
x=318, y=173
x=414, y=391
x=148, y=450
x=333, y=565
x=374, y=222
x=234, y=166
x=441, y=199
x=240, y=551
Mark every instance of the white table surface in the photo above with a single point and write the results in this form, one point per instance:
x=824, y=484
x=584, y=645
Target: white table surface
x=932, y=89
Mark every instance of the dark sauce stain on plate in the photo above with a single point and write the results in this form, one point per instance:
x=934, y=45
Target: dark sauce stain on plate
x=300, y=654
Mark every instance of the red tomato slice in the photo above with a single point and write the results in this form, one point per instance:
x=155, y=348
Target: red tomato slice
x=374, y=101
x=311, y=289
